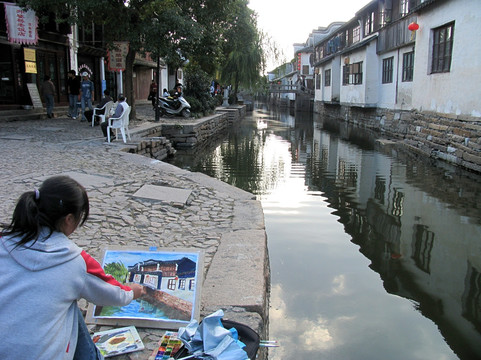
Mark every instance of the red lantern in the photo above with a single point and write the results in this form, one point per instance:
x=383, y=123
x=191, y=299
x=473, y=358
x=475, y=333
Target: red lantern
x=413, y=26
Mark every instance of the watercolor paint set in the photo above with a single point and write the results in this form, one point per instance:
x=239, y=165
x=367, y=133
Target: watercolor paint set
x=169, y=345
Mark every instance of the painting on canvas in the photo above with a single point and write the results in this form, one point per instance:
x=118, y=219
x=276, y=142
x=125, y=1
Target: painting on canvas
x=171, y=279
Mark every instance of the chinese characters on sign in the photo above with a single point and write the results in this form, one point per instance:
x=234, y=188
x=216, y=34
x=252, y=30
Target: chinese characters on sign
x=21, y=25
x=118, y=55
x=30, y=58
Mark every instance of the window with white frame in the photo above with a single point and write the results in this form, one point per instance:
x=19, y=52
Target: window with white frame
x=408, y=66
x=387, y=69
x=442, y=48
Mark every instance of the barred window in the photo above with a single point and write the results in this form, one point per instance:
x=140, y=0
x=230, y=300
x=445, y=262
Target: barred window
x=404, y=7
x=442, y=48
x=356, y=34
x=327, y=77
x=387, y=68
x=352, y=74
x=408, y=66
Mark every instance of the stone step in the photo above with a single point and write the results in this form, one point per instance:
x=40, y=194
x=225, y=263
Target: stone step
x=31, y=114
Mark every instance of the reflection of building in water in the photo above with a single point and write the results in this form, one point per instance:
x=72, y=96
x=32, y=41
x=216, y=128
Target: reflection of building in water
x=164, y=275
x=425, y=248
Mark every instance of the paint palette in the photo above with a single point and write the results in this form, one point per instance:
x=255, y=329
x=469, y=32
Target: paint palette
x=169, y=345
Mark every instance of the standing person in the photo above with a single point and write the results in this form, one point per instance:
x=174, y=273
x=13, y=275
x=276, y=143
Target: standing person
x=153, y=92
x=45, y=273
x=119, y=110
x=73, y=89
x=48, y=91
x=87, y=94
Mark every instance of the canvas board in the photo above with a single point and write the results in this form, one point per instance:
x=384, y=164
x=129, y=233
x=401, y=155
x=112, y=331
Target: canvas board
x=172, y=279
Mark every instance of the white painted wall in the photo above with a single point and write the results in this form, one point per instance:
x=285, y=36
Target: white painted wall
x=371, y=78
x=354, y=94
x=398, y=94
x=455, y=92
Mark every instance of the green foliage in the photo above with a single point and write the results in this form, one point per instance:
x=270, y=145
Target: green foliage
x=195, y=104
x=118, y=270
x=197, y=89
x=219, y=99
x=243, y=54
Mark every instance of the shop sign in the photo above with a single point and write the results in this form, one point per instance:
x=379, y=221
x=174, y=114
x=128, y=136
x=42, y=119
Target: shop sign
x=29, y=54
x=30, y=67
x=118, y=56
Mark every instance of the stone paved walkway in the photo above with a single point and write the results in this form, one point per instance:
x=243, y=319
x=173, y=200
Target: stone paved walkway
x=34, y=149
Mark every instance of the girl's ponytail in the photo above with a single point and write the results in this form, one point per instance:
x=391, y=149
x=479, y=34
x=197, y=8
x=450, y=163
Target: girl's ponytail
x=47, y=207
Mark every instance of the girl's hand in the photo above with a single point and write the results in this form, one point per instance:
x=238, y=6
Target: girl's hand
x=138, y=290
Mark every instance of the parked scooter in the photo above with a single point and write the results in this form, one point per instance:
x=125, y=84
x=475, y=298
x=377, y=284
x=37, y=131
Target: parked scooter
x=173, y=107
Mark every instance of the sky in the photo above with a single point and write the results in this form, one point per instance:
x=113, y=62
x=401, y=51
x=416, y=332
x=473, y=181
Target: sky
x=289, y=22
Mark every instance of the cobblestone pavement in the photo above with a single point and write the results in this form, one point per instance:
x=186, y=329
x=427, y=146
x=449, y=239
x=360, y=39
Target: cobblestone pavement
x=34, y=149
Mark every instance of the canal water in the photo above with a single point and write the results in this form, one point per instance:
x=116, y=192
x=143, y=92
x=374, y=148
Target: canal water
x=375, y=253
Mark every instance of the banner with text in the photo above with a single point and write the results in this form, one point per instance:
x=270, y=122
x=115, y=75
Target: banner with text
x=21, y=25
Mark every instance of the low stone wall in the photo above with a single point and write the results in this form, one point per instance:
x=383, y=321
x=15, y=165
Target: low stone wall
x=187, y=135
x=456, y=139
x=153, y=145
x=234, y=112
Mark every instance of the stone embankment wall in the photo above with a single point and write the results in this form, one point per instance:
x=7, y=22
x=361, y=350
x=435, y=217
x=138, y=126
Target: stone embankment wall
x=187, y=135
x=153, y=145
x=159, y=142
x=455, y=139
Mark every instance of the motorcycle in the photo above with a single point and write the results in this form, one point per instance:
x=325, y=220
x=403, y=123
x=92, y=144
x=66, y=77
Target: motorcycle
x=173, y=107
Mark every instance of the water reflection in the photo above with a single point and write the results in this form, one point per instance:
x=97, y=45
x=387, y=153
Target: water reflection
x=331, y=192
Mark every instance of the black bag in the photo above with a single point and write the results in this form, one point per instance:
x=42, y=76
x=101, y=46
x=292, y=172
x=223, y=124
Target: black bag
x=150, y=97
x=246, y=334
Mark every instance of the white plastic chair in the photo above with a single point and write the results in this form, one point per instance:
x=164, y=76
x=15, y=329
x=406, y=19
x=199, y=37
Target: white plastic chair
x=121, y=123
x=106, y=112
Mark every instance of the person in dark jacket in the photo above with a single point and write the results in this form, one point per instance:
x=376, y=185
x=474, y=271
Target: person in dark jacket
x=73, y=90
x=48, y=92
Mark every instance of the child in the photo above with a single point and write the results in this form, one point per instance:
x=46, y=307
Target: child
x=44, y=274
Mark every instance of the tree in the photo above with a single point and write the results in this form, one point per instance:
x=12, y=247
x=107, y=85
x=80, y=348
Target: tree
x=173, y=30
x=243, y=53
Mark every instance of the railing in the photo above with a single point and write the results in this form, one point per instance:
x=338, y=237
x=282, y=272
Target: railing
x=396, y=34
x=290, y=88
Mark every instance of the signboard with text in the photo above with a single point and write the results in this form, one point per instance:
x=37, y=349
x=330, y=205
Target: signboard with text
x=21, y=25
x=118, y=56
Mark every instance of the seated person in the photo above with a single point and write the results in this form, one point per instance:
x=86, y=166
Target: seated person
x=89, y=113
x=177, y=91
x=177, y=94
x=119, y=110
x=165, y=93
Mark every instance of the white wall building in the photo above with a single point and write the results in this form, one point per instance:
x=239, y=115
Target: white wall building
x=448, y=88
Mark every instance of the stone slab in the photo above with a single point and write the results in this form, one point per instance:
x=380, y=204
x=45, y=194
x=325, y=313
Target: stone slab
x=238, y=275
x=51, y=128
x=87, y=180
x=15, y=137
x=163, y=193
